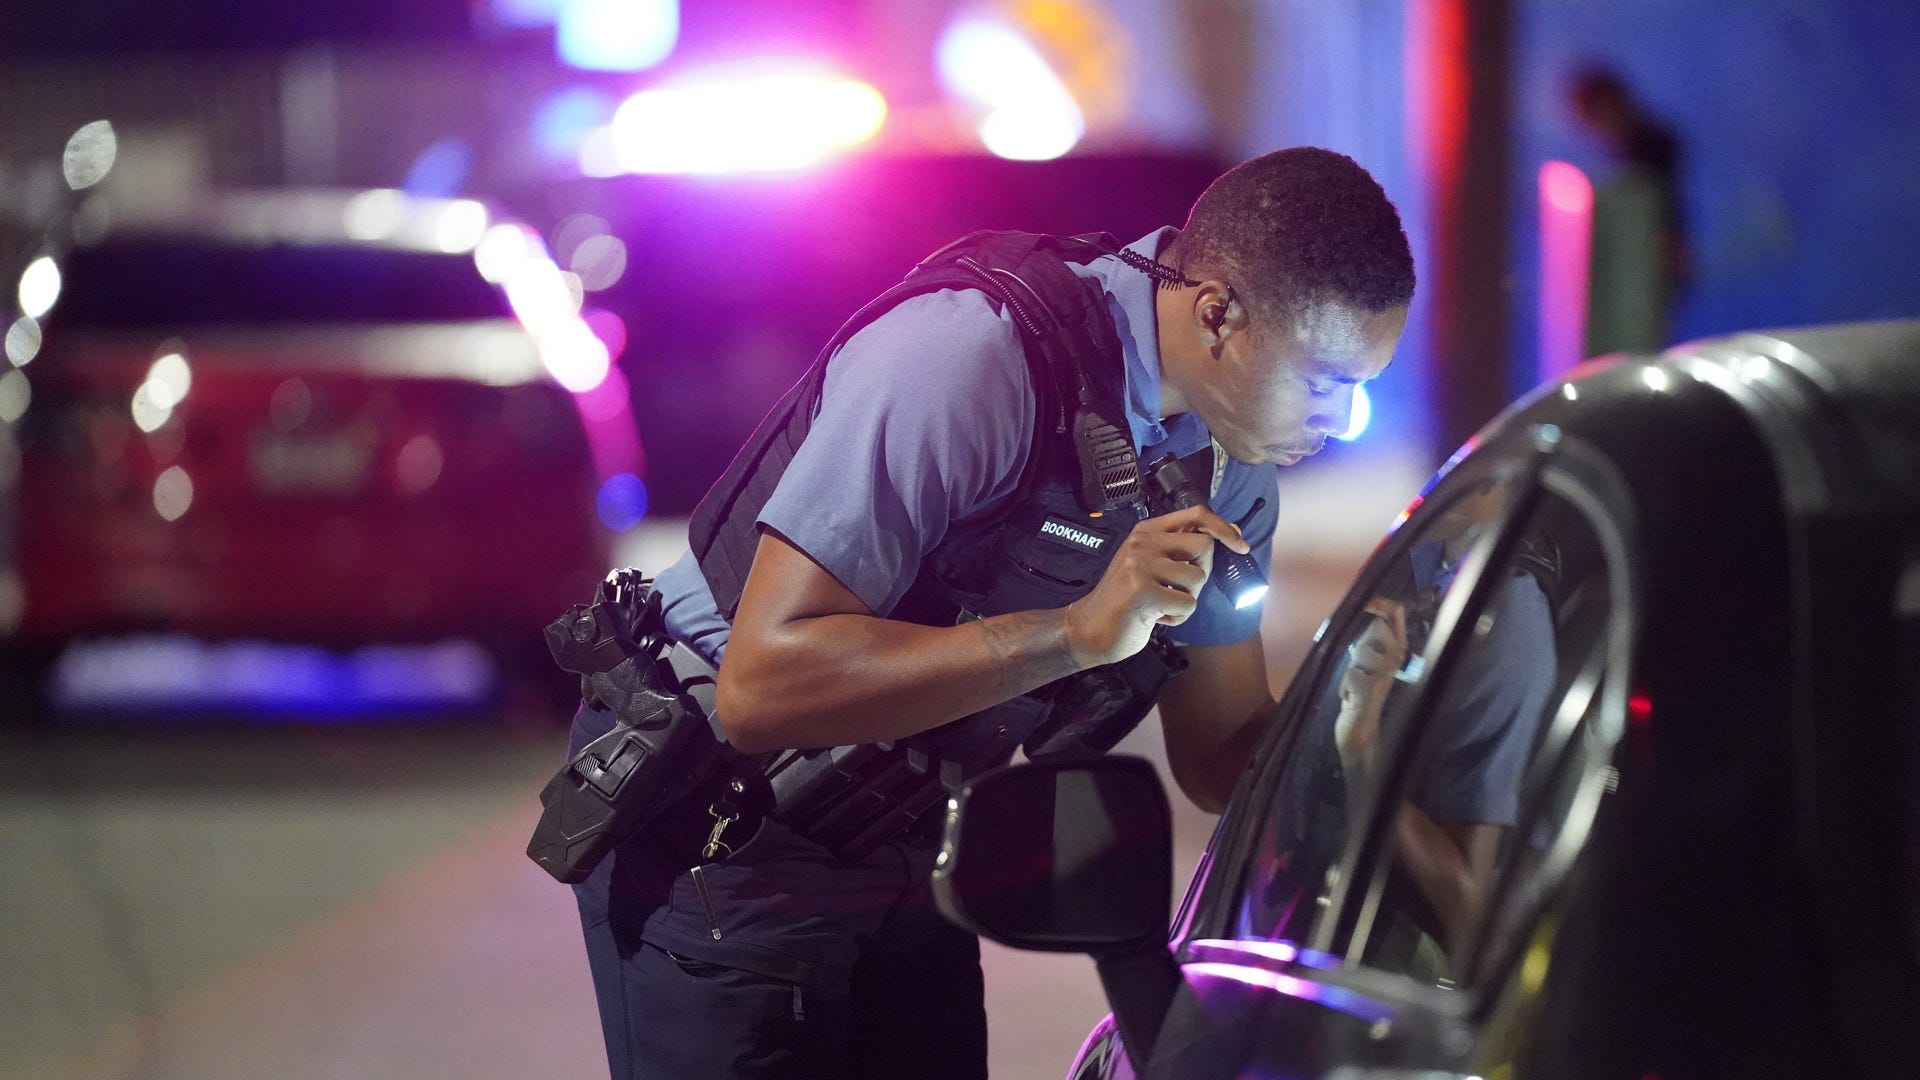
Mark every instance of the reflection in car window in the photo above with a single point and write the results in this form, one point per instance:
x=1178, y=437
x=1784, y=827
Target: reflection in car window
x=144, y=282
x=1462, y=800
x=1460, y=814
x=1358, y=713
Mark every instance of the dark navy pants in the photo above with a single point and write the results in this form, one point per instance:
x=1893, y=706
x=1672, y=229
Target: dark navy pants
x=777, y=961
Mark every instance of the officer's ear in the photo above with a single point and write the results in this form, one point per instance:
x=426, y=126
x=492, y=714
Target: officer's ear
x=1218, y=313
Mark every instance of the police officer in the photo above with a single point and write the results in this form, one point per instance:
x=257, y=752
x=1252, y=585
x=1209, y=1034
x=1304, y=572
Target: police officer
x=766, y=955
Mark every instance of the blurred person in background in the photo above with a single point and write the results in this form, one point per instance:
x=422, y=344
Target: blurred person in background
x=1639, y=260
x=1236, y=343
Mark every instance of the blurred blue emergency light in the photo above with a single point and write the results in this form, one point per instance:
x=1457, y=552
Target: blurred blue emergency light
x=1361, y=417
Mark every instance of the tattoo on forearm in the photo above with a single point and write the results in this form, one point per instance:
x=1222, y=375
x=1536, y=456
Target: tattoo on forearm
x=1029, y=649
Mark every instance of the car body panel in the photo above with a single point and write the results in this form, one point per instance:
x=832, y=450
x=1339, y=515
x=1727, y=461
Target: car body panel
x=342, y=480
x=1712, y=871
x=365, y=443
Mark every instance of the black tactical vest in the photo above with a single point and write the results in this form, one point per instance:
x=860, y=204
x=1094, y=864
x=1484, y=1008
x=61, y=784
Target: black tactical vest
x=1046, y=545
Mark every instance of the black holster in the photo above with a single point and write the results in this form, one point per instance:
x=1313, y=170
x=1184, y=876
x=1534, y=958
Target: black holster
x=662, y=745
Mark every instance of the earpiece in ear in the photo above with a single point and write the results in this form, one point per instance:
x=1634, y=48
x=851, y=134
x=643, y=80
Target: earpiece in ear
x=1217, y=314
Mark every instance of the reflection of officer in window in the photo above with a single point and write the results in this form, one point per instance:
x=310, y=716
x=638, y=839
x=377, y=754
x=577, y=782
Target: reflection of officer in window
x=1464, y=789
x=1466, y=784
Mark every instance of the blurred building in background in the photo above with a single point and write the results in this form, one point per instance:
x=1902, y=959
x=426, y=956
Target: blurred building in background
x=726, y=180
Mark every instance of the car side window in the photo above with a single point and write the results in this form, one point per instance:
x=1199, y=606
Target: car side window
x=1356, y=714
x=1468, y=808
x=1437, y=758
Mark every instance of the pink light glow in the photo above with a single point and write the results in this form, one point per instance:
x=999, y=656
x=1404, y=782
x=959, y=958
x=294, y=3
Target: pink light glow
x=576, y=358
x=1305, y=989
x=612, y=436
x=578, y=352
x=1566, y=237
x=611, y=329
x=1273, y=950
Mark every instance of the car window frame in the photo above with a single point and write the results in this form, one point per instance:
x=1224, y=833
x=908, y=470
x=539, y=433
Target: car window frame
x=1586, y=725
x=1594, y=703
x=1537, y=460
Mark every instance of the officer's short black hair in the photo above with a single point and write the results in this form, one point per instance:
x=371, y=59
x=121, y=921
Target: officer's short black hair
x=1298, y=227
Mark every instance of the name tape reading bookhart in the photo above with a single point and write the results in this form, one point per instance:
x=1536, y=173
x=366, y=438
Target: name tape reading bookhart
x=1062, y=531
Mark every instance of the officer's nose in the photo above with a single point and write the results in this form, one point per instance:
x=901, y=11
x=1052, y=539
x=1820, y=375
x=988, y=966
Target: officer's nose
x=1334, y=414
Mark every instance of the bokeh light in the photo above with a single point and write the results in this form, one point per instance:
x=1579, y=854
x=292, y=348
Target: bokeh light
x=615, y=35
x=418, y=465
x=168, y=380
x=564, y=120
x=522, y=14
x=501, y=250
x=599, y=157
x=460, y=226
x=23, y=341
x=441, y=169
x=375, y=214
x=575, y=357
x=148, y=414
x=39, y=287
x=717, y=123
x=574, y=230
x=1566, y=188
x=610, y=328
x=15, y=395
x=1029, y=134
x=539, y=294
x=600, y=261
x=1028, y=113
x=290, y=405
x=622, y=502
x=89, y=155
x=173, y=493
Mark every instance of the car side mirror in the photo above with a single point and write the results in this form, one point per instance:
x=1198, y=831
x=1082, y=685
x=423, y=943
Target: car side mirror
x=1064, y=856
x=1071, y=856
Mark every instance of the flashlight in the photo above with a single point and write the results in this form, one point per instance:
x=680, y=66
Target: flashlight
x=1238, y=574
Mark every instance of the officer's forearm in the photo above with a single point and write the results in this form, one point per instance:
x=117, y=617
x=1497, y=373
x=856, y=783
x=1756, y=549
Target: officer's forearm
x=1452, y=864
x=1213, y=717
x=836, y=679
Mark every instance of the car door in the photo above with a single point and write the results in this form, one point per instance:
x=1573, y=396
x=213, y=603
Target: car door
x=1385, y=867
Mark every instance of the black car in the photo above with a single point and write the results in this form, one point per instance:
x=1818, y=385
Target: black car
x=1605, y=767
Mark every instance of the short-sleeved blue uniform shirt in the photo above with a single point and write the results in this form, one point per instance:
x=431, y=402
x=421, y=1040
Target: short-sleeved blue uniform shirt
x=925, y=422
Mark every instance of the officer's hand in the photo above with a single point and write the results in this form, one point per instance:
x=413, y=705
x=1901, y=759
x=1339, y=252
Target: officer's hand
x=1155, y=574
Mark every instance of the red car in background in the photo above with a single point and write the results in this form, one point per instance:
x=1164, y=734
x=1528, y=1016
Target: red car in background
x=330, y=419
